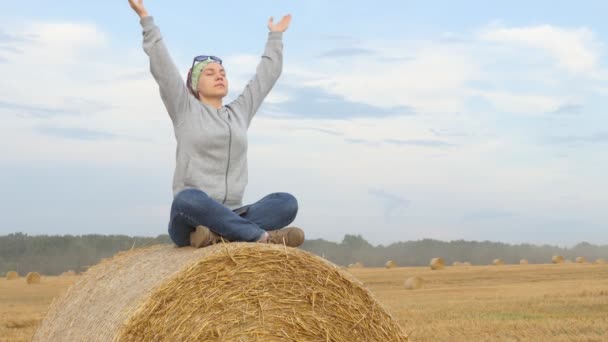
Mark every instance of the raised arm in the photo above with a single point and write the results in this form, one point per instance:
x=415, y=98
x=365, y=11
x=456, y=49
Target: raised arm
x=267, y=72
x=173, y=90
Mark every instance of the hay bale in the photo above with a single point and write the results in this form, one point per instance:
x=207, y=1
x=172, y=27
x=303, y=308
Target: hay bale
x=523, y=262
x=437, y=263
x=224, y=292
x=390, y=264
x=413, y=283
x=69, y=273
x=33, y=278
x=600, y=261
x=581, y=260
x=498, y=262
x=557, y=259
x=11, y=275
x=457, y=263
x=568, y=261
x=466, y=263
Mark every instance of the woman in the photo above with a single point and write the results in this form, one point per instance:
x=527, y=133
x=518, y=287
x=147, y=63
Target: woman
x=211, y=163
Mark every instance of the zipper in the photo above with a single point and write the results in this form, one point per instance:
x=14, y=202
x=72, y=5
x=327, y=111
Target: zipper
x=228, y=163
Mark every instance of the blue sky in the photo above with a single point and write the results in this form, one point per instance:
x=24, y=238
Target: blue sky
x=396, y=120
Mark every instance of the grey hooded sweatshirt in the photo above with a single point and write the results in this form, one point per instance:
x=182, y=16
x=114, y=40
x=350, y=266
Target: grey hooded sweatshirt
x=211, y=143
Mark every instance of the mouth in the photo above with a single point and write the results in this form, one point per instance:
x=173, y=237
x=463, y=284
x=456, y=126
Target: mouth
x=220, y=85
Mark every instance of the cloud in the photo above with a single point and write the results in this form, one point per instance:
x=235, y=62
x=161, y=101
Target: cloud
x=575, y=50
x=491, y=214
x=390, y=202
x=309, y=102
x=362, y=142
x=316, y=129
x=347, y=52
x=597, y=138
x=76, y=133
x=419, y=142
x=73, y=107
x=568, y=109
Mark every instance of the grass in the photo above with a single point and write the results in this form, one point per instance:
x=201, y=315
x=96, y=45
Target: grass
x=565, y=302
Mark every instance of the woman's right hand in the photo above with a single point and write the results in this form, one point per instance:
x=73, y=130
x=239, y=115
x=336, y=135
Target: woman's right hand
x=138, y=7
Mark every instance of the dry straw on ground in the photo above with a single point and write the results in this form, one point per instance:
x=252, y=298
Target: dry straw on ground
x=557, y=259
x=226, y=292
x=10, y=275
x=413, y=283
x=437, y=263
x=600, y=261
x=356, y=265
x=33, y=278
x=498, y=262
x=523, y=262
x=581, y=260
x=390, y=264
x=466, y=263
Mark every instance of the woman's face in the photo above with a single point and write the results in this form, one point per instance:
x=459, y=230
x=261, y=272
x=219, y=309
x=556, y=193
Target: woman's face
x=212, y=81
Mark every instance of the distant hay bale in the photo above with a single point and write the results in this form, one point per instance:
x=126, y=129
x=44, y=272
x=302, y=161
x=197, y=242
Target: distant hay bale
x=568, y=261
x=390, y=264
x=413, y=283
x=600, y=261
x=11, y=275
x=457, y=263
x=69, y=273
x=466, y=263
x=498, y=262
x=581, y=260
x=557, y=259
x=33, y=278
x=437, y=263
x=523, y=262
x=224, y=292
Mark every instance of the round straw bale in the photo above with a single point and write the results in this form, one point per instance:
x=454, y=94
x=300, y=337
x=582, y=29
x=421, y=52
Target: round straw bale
x=457, y=263
x=69, y=273
x=466, y=263
x=224, y=292
x=523, y=262
x=600, y=261
x=390, y=264
x=581, y=260
x=437, y=263
x=10, y=275
x=33, y=278
x=413, y=283
x=498, y=262
x=557, y=259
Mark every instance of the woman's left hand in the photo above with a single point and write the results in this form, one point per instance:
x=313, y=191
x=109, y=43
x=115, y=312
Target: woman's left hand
x=281, y=26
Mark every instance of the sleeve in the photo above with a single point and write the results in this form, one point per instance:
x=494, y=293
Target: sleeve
x=267, y=73
x=173, y=90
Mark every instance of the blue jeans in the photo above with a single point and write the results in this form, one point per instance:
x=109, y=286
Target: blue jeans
x=193, y=207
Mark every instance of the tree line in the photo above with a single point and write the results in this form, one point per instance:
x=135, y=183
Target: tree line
x=52, y=255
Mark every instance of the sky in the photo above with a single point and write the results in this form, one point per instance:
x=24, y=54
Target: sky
x=393, y=120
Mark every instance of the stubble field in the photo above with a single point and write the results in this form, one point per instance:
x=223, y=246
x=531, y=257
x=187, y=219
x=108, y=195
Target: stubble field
x=566, y=302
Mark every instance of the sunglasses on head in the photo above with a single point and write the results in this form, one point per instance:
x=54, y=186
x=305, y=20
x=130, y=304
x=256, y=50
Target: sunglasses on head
x=203, y=58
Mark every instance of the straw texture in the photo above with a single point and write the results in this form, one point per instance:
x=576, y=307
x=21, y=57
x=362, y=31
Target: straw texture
x=498, y=262
x=557, y=259
x=413, y=283
x=437, y=263
x=33, y=278
x=225, y=292
x=11, y=275
x=390, y=264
